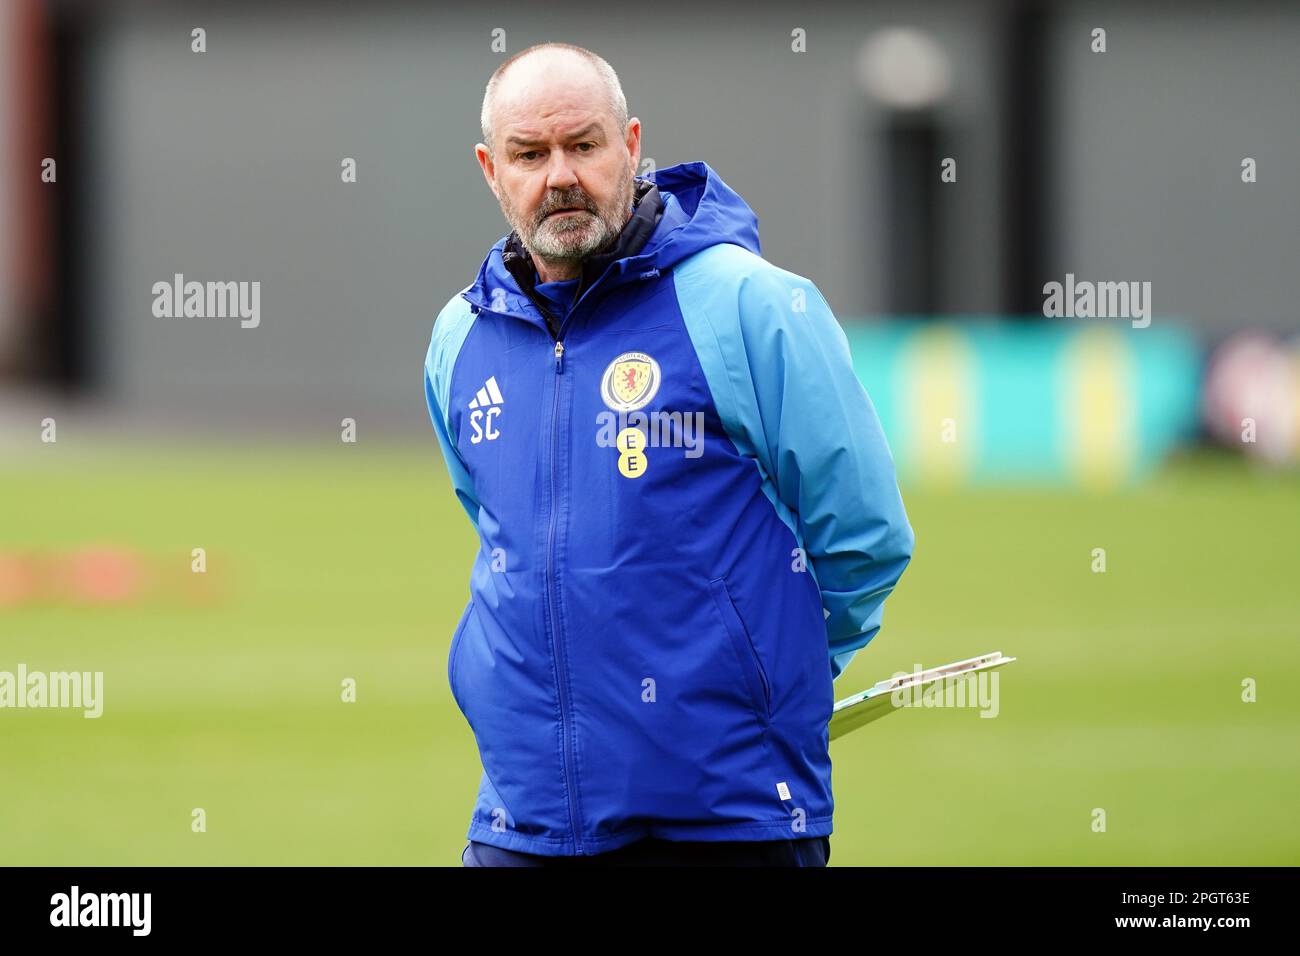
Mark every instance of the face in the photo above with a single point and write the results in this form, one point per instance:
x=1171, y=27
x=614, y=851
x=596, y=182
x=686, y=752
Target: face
x=562, y=171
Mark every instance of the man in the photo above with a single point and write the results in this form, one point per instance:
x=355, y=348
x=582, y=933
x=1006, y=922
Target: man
x=687, y=511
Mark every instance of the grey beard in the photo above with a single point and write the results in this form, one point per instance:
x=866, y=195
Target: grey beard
x=603, y=233
x=553, y=247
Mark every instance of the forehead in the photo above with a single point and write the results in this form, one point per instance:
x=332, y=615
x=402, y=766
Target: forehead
x=549, y=100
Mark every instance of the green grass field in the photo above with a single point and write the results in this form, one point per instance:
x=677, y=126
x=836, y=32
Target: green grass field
x=353, y=561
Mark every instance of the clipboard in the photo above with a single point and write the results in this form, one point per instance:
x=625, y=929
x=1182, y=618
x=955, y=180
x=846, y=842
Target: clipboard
x=875, y=702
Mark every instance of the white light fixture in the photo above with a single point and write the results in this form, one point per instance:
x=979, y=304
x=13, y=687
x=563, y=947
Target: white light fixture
x=904, y=68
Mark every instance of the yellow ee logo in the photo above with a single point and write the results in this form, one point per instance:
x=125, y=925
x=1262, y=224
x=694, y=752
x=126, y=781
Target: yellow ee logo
x=631, y=459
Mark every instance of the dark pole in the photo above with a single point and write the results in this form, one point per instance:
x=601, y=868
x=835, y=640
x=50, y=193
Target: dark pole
x=1025, y=184
x=913, y=227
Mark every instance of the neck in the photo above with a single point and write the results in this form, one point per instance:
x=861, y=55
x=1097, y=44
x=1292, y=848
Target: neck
x=557, y=270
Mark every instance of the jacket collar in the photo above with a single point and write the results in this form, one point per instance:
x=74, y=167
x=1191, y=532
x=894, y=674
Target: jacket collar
x=697, y=210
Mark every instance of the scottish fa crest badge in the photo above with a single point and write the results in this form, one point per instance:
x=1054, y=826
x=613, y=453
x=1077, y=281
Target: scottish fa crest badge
x=629, y=382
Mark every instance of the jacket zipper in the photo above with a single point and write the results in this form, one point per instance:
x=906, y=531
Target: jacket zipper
x=561, y=660
x=561, y=666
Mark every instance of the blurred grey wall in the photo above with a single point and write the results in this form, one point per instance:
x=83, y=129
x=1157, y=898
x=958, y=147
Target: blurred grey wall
x=225, y=165
x=1147, y=157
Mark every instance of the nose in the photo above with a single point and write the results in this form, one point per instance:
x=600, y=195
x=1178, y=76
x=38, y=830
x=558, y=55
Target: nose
x=559, y=171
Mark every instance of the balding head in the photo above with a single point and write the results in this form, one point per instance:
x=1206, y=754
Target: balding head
x=542, y=72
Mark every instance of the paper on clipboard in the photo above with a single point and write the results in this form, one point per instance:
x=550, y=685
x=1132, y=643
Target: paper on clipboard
x=877, y=701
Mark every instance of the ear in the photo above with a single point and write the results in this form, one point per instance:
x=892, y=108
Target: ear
x=489, y=168
x=633, y=142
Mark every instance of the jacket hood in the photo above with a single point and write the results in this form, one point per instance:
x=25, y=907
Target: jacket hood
x=695, y=209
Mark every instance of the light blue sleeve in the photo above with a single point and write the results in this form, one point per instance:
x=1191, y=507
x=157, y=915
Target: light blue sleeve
x=781, y=375
x=449, y=331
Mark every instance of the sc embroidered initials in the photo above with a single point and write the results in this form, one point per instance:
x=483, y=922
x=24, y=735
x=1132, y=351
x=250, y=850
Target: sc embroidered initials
x=485, y=409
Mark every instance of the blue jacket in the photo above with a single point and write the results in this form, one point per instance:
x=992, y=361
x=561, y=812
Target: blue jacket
x=688, y=523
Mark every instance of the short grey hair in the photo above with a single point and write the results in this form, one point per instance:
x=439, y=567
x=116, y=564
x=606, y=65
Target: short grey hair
x=617, y=102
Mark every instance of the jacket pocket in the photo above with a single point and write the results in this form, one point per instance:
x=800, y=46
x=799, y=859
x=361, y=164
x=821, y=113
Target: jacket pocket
x=760, y=692
x=455, y=648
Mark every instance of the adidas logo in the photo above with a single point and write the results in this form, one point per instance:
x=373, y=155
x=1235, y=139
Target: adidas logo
x=485, y=407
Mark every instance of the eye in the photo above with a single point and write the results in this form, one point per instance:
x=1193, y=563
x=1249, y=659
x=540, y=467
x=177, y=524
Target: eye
x=589, y=147
x=531, y=152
